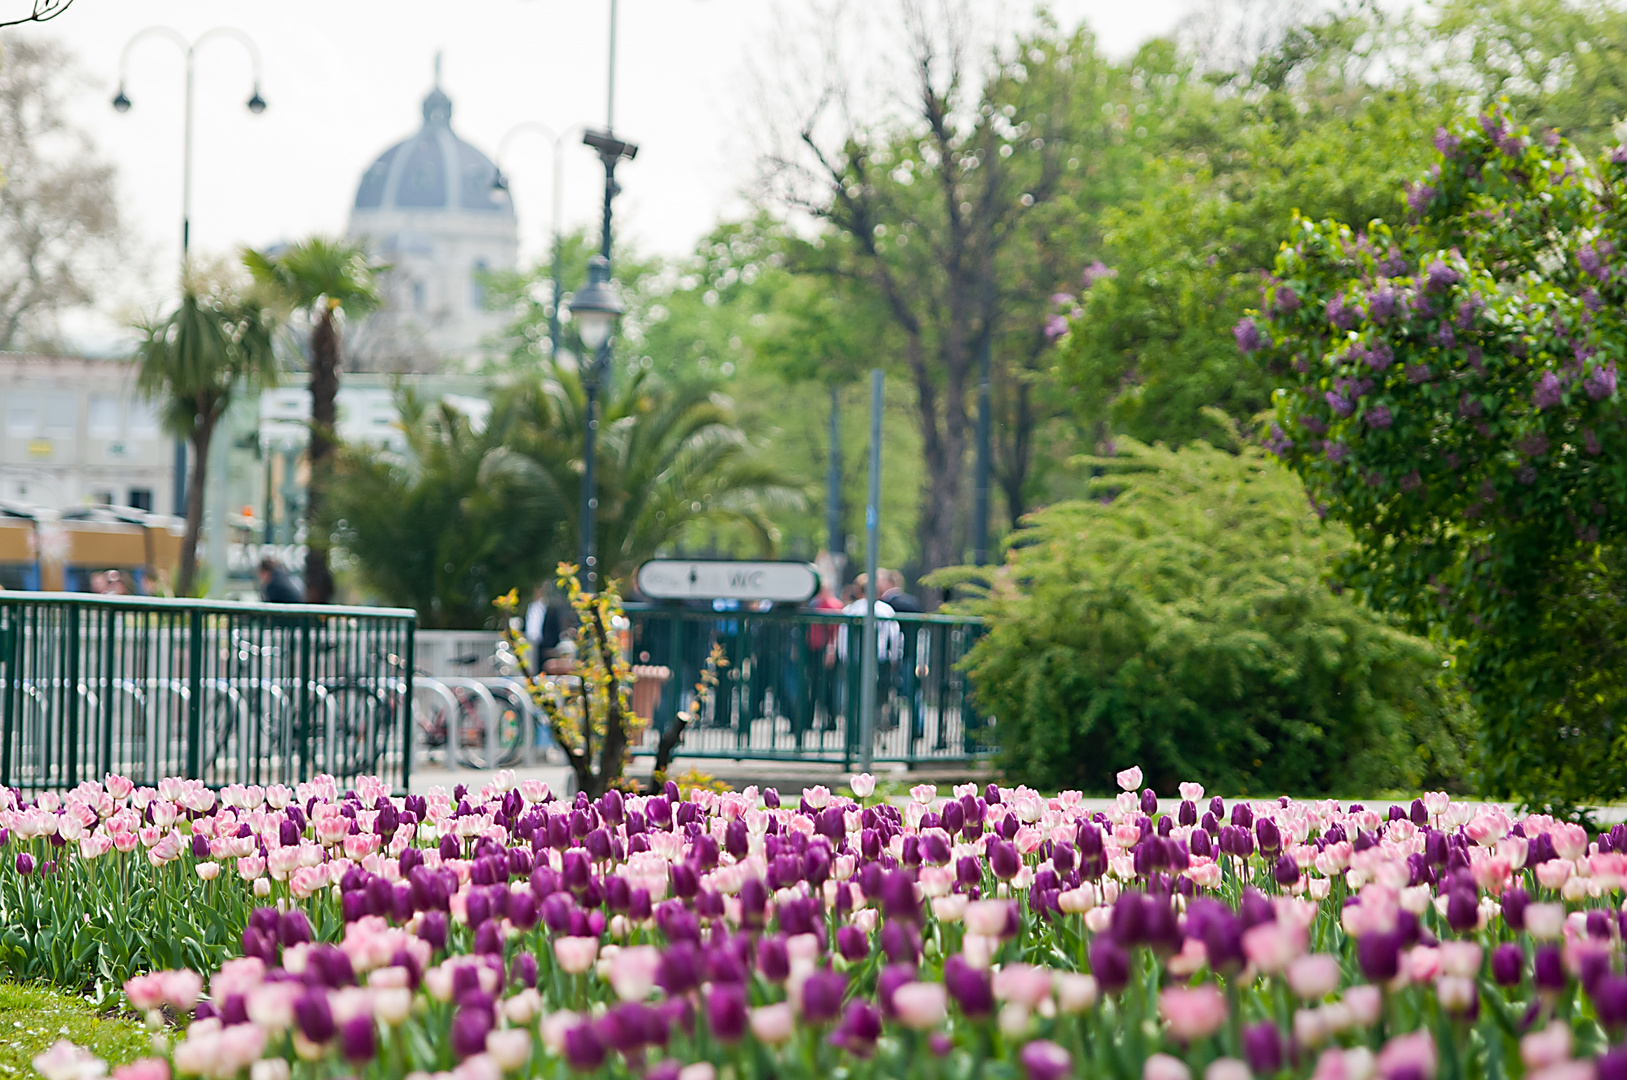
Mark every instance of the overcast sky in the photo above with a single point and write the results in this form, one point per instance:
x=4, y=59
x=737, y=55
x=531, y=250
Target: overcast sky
x=345, y=79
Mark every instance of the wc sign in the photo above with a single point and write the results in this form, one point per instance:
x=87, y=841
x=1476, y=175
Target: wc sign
x=678, y=579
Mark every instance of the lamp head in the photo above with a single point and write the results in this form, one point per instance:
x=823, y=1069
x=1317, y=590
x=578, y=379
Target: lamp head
x=121, y=100
x=257, y=104
x=595, y=308
x=499, y=182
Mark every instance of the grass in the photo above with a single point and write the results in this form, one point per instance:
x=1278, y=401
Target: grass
x=33, y=1017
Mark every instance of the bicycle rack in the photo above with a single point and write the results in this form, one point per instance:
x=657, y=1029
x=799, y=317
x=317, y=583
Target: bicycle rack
x=532, y=714
x=487, y=702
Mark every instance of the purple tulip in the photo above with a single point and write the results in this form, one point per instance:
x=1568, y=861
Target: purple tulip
x=969, y=987
x=853, y=943
x=726, y=1012
x=1609, y=994
x=200, y=846
x=891, y=978
x=773, y=958
x=523, y=970
x=314, y=1016
x=1045, y=1060
x=433, y=929
x=679, y=969
x=1004, y=860
x=583, y=1050
x=1612, y=1065
x=1515, y=901
x=1548, y=970
x=1287, y=871
x=1462, y=910
x=356, y=1041
x=859, y=1029
x=1262, y=1046
x=1507, y=962
x=1379, y=955
x=934, y=849
x=822, y=995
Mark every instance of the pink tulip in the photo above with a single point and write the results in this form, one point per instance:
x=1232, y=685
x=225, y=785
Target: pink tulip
x=576, y=954
x=1192, y=1012
x=148, y=1068
x=1271, y=945
x=1570, y=840
x=1023, y=983
x=1366, y=1004
x=1129, y=779
x=772, y=1024
x=1313, y=976
x=922, y=1006
x=1075, y=993
x=1547, y=1047
x=1412, y=1052
x=862, y=785
x=1165, y=1067
x=632, y=972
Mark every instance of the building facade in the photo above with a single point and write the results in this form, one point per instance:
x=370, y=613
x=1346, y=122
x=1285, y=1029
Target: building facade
x=75, y=431
x=430, y=206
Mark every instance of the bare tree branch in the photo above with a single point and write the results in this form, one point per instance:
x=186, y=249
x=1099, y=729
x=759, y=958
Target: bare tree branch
x=44, y=11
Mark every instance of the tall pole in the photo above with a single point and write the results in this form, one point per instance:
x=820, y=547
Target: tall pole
x=872, y=533
x=980, y=505
x=833, y=486
x=610, y=152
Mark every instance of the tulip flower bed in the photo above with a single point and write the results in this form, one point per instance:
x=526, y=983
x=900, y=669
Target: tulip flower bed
x=991, y=933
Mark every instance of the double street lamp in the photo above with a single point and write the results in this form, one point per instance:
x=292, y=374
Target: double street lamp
x=121, y=102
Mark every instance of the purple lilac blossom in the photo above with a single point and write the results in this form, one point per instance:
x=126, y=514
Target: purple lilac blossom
x=1379, y=416
x=1249, y=338
x=1548, y=392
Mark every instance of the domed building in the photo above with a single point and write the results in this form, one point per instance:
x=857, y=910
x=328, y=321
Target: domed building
x=428, y=207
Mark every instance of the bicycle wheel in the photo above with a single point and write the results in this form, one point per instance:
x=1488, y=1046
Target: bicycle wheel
x=354, y=730
x=473, y=733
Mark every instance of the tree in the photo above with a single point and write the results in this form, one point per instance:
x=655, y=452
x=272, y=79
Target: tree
x=322, y=278
x=215, y=345
x=1316, y=122
x=59, y=225
x=1556, y=63
x=443, y=526
x=670, y=460
x=922, y=213
x=1449, y=391
x=1178, y=619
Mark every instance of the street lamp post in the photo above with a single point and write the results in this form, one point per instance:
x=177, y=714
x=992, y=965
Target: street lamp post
x=500, y=183
x=121, y=102
x=595, y=310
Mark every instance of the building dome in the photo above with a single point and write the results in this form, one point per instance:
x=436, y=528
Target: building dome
x=433, y=170
x=431, y=208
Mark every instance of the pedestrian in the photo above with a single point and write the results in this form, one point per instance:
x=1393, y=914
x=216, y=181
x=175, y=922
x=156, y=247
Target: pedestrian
x=277, y=586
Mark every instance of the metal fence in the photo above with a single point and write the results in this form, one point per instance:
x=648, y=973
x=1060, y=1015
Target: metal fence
x=224, y=692
x=792, y=684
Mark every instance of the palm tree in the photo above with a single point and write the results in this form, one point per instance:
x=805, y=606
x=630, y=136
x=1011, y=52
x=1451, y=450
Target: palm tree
x=320, y=277
x=448, y=525
x=670, y=457
x=192, y=363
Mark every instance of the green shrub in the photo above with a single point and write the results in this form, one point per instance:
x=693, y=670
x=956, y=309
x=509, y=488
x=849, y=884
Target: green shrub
x=1179, y=620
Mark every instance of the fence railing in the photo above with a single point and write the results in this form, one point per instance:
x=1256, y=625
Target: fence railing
x=793, y=684
x=224, y=692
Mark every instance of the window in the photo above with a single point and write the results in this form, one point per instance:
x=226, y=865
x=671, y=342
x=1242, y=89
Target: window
x=22, y=414
x=142, y=499
x=477, y=285
x=143, y=420
x=418, y=296
x=102, y=416
x=102, y=498
x=61, y=414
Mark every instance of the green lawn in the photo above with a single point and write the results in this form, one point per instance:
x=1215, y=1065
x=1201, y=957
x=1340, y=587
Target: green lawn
x=33, y=1017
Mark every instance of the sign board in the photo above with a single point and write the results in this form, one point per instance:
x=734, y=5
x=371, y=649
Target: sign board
x=679, y=579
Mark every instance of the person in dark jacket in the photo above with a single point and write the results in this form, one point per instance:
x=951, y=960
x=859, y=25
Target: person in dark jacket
x=276, y=585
